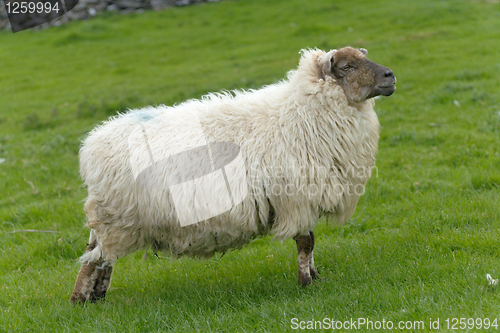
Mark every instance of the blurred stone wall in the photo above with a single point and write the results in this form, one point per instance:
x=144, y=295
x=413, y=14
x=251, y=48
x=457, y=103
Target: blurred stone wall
x=87, y=8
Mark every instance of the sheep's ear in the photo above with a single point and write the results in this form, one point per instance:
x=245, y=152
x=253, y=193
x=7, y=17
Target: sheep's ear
x=325, y=62
x=364, y=51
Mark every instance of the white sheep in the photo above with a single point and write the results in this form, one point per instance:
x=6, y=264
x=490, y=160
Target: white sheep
x=286, y=154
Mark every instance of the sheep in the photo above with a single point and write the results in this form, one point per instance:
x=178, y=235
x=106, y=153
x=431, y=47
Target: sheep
x=273, y=161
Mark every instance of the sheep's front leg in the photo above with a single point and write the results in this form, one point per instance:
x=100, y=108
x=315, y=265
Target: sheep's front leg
x=305, y=246
x=312, y=269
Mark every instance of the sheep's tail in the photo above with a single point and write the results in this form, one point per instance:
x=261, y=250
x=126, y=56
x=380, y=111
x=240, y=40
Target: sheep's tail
x=94, y=250
x=91, y=256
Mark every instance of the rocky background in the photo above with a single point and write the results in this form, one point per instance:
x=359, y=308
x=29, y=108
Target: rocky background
x=87, y=8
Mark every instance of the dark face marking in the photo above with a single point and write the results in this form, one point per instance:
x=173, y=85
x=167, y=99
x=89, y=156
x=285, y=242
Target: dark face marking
x=360, y=77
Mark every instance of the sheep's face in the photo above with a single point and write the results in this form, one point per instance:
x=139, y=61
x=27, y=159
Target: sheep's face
x=360, y=77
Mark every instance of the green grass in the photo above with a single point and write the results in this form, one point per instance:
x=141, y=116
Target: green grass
x=424, y=234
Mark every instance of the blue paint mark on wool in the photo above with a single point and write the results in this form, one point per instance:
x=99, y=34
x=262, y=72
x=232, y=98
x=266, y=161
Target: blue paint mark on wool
x=144, y=116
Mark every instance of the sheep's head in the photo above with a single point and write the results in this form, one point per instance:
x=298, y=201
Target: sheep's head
x=360, y=77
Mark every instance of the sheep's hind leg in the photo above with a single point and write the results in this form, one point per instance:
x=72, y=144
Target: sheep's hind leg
x=93, y=279
x=102, y=282
x=87, y=277
x=305, y=246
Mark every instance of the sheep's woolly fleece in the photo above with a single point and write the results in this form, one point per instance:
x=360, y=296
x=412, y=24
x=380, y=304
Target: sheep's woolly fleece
x=299, y=135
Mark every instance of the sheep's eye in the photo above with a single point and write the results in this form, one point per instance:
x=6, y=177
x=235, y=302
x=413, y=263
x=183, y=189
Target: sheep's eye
x=346, y=67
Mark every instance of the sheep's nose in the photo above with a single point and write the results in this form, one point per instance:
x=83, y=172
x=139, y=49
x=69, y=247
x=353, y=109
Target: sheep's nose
x=389, y=73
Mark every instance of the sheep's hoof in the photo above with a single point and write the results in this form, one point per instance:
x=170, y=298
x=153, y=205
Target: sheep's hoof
x=78, y=299
x=304, y=279
x=314, y=274
x=82, y=298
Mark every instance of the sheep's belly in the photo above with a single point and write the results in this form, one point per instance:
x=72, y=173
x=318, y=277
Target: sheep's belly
x=203, y=243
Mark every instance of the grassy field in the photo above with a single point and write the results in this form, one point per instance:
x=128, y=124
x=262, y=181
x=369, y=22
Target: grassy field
x=423, y=237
